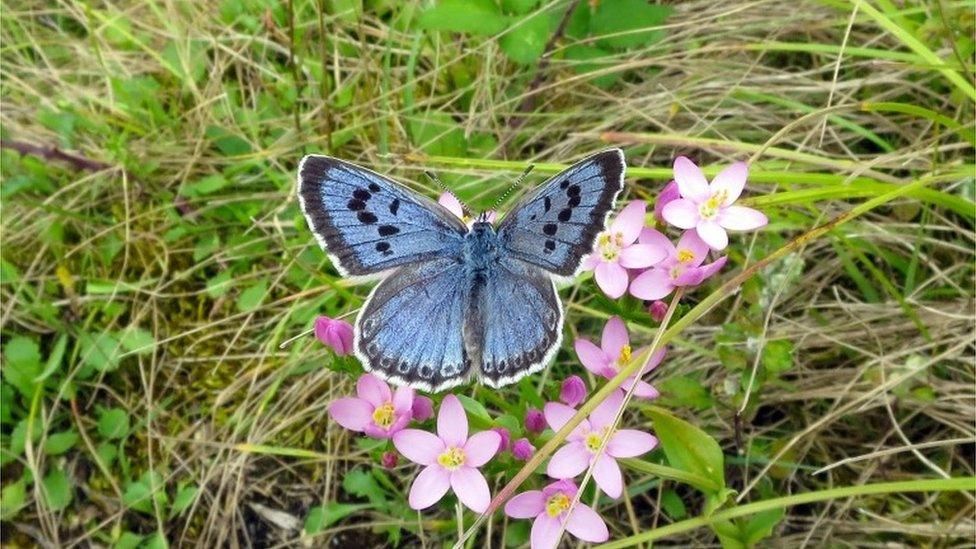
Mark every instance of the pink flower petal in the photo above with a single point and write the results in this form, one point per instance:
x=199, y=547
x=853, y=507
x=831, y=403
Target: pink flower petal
x=471, y=488
x=590, y=261
x=373, y=390
x=740, y=218
x=403, y=400
x=630, y=221
x=429, y=487
x=526, y=505
x=586, y=524
x=592, y=357
x=346, y=335
x=655, y=238
x=639, y=256
x=558, y=415
x=481, y=447
x=681, y=213
x=608, y=477
x=614, y=337
x=707, y=271
x=691, y=276
x=612, y=279
x=691, y=181
x=731, y=180
x=453, y=205
x=452, y=424
x=626, y=443
x=606, y=411
x=713, y=234
x=545, y=532
x=652, y=284
x=669, y=193
x=418, y=446
x=568, y=461
x=352, y=413
x=693, y=243
x=643, y=389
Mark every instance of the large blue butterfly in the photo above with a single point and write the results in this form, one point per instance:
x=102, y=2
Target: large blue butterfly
x=455, y=300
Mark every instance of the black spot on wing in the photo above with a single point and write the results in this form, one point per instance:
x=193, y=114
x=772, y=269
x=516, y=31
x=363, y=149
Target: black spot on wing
x=374, y=187
x=550, y=246
x=565, y=214
x=361, y=194
x=366, y=217
x=356, y=205
x=550, y=228
x=547, y=203
x=573, y=190
x=388, y=230
x=384, y=248
x=394, y=206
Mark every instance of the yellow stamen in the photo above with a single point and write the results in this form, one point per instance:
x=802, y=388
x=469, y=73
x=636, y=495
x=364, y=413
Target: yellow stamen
x=685, y=256
x=593, y=440
x=452, y=458
x=625, y=355
x=384, y=416
x=557, y=504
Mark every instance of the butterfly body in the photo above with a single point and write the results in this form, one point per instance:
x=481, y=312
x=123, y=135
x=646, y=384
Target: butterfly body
x=454, y=300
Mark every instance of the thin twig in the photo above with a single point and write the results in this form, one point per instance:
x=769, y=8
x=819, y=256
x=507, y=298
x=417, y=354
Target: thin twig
x=54, y=153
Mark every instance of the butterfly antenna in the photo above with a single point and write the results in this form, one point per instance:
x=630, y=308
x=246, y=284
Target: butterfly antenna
x=525, y=173
x=433, y=177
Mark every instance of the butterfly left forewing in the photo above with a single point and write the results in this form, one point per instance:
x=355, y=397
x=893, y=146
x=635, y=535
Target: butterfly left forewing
x=368, y=223
x=556, y=225
x=515, y=322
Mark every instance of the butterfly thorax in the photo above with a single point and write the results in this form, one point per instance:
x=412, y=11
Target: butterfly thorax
x=481, y=248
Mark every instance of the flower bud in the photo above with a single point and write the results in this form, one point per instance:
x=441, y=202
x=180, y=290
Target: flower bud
x=422, y=409
x=669, y=193
x=658, y=309
x=573, y=391
x=389, y=459
x=522, y=449
x=535, y=422
x=506, y=437
x=337, y=334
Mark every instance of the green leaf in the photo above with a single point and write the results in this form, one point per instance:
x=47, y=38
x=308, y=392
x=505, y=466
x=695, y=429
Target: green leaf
x=113, y=423
x=57, y=490
x=777, y=356
x=590, y=59
x=474, y=408
x=138, y=341
x=761, y=525
x=157, y=541
x=251, y=298
x=438, y=134
x=526, y=42
x=672, y=504
x=226, y=142
x=475, y=16
x=359, y=482
x=621, y=18
x=23, y=364
x=139, y=494
x=689, y=448
x=218, y=285
x=128, y=540
x=18, y=439
x=59, y=443
x=184, y=497
x=12, y=499
x=53, y=359
x=685, y=391
x=321, y=517
x=518, y=7
x=102, y=352
x=205, y=186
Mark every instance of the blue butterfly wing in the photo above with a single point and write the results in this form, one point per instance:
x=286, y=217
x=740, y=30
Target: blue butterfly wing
x=368, y=223
x=516, y=322
x=410, y=331
x=555, y=226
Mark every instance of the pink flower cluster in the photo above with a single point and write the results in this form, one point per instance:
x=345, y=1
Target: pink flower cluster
x=630, y=256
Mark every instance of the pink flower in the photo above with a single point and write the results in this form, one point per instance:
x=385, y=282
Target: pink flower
x=613, y=353
x=504, y=438
x=550, y=509
x=522, y=449
x=682, y=267
x=583, y=443
x=389, y=459
x=334, y=333
x=668, y=194
x=573, y=391
x=535, y=422
x=616, y=251
x=423, y=408
x=451, y=459
x=658, y=309
x=451, y=202
x=376, y=412
x=708, y=208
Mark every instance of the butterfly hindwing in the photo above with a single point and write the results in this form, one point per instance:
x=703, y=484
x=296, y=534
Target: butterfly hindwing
x=516, y=322
x=555, y=226
x=368, y=223
x=409, y=331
